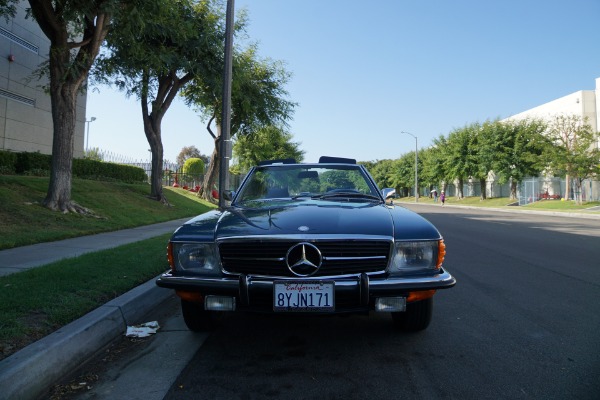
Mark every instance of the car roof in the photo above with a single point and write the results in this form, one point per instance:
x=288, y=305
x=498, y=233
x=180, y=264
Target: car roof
x=322, y=160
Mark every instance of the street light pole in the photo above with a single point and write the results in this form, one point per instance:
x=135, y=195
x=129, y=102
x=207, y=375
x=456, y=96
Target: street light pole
x=416, y=167
x=87, y=140
x=225, y=144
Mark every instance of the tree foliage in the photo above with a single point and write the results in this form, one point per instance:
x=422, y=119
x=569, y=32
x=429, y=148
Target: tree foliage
x=191, y=152
x=575, y=150
x=258, y=99
x=156, y=55
x=512, y=150
x=267, y=143
x=76, y=30
x=193, y=166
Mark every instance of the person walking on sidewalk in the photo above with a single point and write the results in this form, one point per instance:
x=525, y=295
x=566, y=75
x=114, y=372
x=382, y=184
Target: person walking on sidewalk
x=443, y=197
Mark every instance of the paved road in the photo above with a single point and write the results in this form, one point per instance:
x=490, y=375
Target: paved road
x=521, y=323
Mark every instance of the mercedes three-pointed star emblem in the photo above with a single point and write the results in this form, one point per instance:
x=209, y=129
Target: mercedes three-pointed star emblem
x=304, y=259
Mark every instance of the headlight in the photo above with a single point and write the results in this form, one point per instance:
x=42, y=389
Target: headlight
x=195, y=257
x=417, y=256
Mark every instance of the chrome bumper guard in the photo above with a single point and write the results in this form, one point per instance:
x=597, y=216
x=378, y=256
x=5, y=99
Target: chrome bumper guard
x=362, y=287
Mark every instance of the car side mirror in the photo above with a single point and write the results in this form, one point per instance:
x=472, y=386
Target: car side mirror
x=228, y=195
x=388, y=193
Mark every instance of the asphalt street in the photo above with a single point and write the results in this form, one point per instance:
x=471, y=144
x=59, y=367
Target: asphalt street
x=31, y=371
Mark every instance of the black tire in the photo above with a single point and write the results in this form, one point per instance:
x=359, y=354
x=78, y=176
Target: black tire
x=197, y=318
x=416, y=317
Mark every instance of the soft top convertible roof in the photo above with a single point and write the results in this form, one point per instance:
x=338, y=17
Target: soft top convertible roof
x=322, y=160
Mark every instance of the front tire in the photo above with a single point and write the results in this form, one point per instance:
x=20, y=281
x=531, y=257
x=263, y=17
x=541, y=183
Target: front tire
x=196, y=318
x=416, y=317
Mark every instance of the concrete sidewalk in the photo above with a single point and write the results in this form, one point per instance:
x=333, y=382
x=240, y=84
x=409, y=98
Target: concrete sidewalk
x=30, y=372
x=27, y=257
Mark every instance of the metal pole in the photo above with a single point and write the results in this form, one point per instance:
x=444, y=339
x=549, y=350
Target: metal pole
x=416, y=172
x=225, y=147
x=87, y=140
x=416, y=167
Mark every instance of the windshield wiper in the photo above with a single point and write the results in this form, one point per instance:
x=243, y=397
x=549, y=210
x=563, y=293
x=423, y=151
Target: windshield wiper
x=351, y=195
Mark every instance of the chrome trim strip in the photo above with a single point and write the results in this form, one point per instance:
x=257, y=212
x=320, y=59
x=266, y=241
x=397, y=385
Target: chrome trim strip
x=354, y=258
x=304, y=237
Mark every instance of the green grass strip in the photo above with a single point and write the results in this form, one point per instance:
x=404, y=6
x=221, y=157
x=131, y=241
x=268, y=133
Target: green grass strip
x=36, y=302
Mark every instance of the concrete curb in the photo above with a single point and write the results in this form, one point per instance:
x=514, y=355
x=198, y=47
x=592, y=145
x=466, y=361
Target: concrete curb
x=31, y=371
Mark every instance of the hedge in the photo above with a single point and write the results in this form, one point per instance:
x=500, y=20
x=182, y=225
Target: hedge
x=40, y=164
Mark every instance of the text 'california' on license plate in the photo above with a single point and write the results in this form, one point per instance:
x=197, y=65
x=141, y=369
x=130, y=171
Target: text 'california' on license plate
x=303, y=296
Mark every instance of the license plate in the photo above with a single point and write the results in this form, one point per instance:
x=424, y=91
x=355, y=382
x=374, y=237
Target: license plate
x=303, y=296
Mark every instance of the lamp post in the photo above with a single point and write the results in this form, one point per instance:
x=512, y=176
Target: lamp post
x=416, y=167
x=225, y=145
x=87, y=140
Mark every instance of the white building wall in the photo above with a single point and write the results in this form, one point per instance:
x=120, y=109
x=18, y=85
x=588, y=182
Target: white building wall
x=27, y=125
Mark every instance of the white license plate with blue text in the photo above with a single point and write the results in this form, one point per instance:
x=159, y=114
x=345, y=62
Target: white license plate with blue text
x=303, y=296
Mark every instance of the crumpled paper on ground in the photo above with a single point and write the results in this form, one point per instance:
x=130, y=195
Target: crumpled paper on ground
x=142, y=330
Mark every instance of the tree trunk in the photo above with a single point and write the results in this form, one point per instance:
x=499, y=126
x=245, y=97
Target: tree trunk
x=577, y=194
x=459, y=188
x=513, y=189
x=63, y=97
x=212, y=174
x=483, y=187
x=153, y=134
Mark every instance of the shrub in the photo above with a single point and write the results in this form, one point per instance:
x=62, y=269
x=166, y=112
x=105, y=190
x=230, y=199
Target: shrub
x=193, y=166
x=37, y=164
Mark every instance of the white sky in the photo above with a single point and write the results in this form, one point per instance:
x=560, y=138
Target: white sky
x=363, y=71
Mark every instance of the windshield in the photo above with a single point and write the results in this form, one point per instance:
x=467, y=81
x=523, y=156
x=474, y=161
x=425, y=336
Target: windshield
x=331, y=182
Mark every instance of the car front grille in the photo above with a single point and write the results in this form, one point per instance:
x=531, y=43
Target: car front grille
x=268, y=257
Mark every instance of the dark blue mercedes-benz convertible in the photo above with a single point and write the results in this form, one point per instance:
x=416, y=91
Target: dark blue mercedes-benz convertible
x=307, y=238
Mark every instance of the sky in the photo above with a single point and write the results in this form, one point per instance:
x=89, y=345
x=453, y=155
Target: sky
x=363, y=72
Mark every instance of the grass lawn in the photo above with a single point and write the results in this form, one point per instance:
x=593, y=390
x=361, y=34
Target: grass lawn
x=36, y=302
x=23, y=220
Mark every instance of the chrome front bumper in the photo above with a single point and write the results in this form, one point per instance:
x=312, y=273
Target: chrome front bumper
x=352, y=292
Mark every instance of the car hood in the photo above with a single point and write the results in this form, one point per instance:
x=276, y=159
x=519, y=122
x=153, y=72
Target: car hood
x=308, y=220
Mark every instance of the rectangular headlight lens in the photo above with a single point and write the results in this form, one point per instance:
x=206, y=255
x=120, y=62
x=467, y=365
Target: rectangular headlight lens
x=416, y=256
x=196, y=257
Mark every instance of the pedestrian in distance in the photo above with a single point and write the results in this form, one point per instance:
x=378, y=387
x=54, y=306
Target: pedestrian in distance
x=443, y=197
x=435, y=196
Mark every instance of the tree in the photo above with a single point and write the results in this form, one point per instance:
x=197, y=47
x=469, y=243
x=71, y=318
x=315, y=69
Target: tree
x=191, y=152
x=518, y=149
x=428, y=168
x=575, y=150
x=76, y=30
x=193, y=166
x=458, y=160
x=156, y=56
x=267, y=143
x=93, y=153
x=258, y=99
x=404, y=172
x=485, y=152
x=383, y=172
x=433, y=163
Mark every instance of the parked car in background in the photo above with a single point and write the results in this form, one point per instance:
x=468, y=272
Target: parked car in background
x=307, y=238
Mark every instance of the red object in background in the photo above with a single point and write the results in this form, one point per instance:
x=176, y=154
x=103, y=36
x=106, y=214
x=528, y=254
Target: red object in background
x=215, y=194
